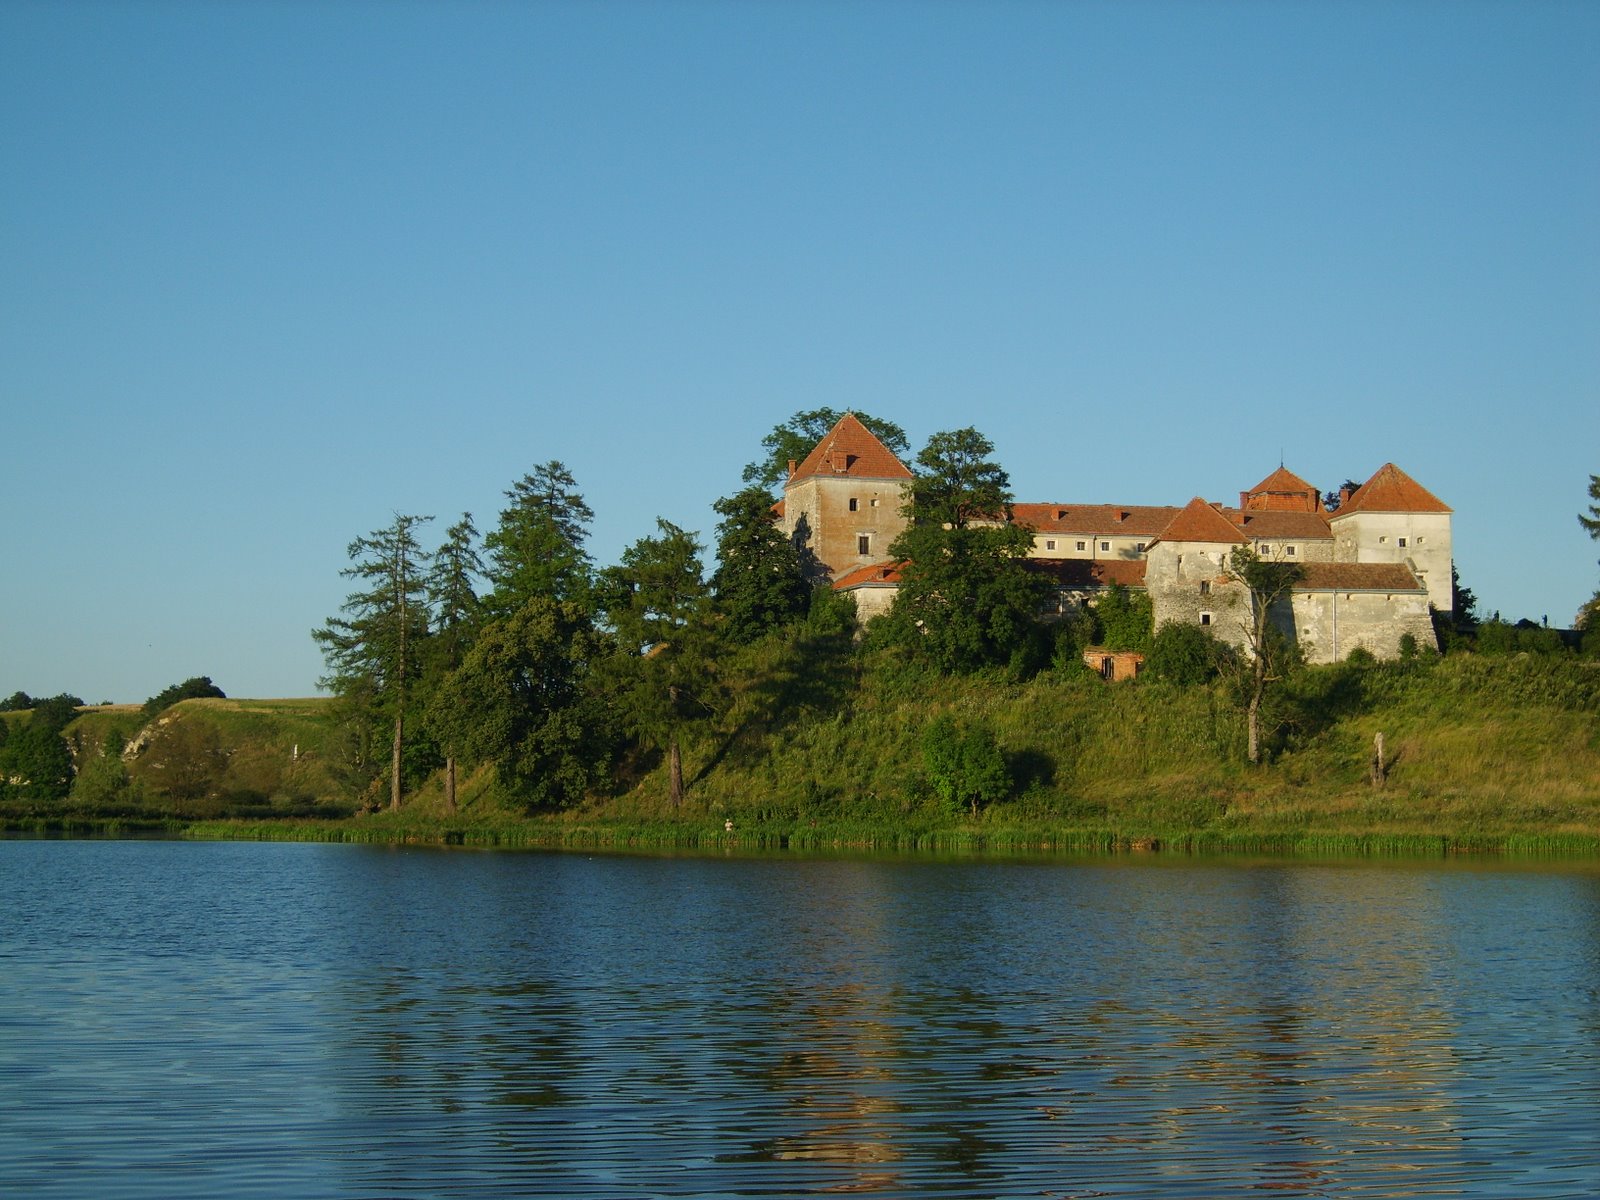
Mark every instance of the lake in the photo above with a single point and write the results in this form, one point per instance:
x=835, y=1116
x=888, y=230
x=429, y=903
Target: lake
x=257, y=1020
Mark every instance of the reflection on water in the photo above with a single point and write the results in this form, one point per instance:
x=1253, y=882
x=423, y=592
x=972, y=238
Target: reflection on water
x=245, y=1020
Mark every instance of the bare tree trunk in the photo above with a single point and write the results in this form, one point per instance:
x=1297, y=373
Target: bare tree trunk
x=675, y=773
x=1258, y=685
x=1380, y=769
x=394, y=764
x=450, y=783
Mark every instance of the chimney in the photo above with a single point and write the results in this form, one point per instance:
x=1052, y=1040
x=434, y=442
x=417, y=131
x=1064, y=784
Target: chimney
x=1344, y=495
x=1244, y=499
x=792, y=466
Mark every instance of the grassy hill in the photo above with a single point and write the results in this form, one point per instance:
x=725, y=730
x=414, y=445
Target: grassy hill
x=1482, y=752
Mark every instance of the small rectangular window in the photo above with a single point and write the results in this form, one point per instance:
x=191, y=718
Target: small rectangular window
x=1082, y=546
x=1105, y=545
x=874, y=502
x=1205, y=618
x=1401, y=542
x=1420, y=540
x=852, y=504
x=1138, y=547
x=1289, y=551
x=1205, y=587
x=1383, y=539
x=863, y=544
x=1049, y=543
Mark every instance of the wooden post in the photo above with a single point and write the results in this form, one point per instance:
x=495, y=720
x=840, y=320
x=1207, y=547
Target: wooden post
x=1380, y=769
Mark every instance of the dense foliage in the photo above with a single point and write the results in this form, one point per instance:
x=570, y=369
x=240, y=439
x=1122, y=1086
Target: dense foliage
x=199, y=687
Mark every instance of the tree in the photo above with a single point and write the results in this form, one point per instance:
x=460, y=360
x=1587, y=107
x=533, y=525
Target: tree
x=658, y=605
x=373, y=652
x=537, y=548
x=798, y=436
x=1267, y=583
x=36, y=756
x=955, y=481
x=196, y=688
x=521, y=700
x=759, y=582
x=965, y=766
x=1591, y=523
x=967, y=598
x=1125, y=618
x=456, y=613
x=1184, y=654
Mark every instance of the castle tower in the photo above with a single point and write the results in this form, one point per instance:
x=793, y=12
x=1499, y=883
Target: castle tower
x=1394, y=519
x=843, y=502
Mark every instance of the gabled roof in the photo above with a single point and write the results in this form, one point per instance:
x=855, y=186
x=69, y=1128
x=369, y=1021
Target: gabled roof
x=1357, y=577
x=1130, y=520
x=853, y=451
x=1391, y=490
x=1199, y=521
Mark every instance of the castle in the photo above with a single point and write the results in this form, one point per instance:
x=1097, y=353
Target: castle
x=1372, y=567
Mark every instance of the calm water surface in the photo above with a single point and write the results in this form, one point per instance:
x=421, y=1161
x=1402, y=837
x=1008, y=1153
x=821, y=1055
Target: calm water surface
x=198, y=1020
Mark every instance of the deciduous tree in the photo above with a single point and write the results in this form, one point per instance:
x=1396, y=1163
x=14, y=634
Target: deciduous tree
x=1267, y=583
x=967, y=598
x=521, y=700
x=759, y=581
x=658, y=605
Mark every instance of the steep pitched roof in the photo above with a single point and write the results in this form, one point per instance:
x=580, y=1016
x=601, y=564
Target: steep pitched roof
x=1131, y=520
x=1282, y=491
x=1281, y=480
x=1357, y=577
x=853, y=451
x=1269, y=523
x=1391, y=490
x=1198, y=521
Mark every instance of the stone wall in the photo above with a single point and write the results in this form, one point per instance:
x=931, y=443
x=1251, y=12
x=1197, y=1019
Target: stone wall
x=821, y=507
x=1420, y=540
x=1330, y=624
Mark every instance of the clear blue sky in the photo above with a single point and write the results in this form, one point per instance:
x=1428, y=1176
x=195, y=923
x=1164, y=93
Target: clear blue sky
x=272, y=272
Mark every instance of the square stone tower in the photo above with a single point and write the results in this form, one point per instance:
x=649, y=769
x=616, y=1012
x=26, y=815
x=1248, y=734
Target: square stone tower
x=843, y=503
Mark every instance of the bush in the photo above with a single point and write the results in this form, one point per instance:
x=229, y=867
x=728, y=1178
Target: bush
x=1183, y=654
x=965, y=766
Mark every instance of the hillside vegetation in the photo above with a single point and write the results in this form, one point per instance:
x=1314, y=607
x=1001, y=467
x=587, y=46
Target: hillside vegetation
x=822, y=743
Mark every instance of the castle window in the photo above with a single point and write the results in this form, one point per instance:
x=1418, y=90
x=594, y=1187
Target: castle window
x=1289, y=551
x=1401, y=542
x=1383, y=539
x=863, y=544
x=1082, y=546
x=1205, y=587
x=874, y=502
x=1205, y=618
x=1049, y=543
x=1138, y=548
x=1105, y=545
x=853, y=504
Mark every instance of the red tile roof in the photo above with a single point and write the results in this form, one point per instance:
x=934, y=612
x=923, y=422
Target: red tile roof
x=1282, y=480
x=1090, y=573
x=851, y=450
x=1201, y=522
x=1391, y=490
x=1132, y=520
x=1358, y=577
x=873, y=575
x=1301, y=526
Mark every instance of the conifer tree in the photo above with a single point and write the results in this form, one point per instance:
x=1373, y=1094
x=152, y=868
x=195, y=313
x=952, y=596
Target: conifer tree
x=456, y=612
x=373, y=650
x=537, y=550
